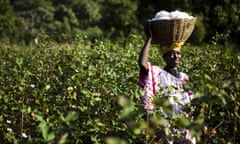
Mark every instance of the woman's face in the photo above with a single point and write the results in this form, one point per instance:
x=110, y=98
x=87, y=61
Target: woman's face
x=172, y=58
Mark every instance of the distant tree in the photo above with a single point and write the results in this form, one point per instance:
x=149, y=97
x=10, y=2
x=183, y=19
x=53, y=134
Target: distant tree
x=63, y=25
x=113, y=19
x=85, y=14
x=10, y=26
x=35, y=15
x=220, y=17
x=119, y=18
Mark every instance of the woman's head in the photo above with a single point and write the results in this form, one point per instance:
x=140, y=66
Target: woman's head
x=172, y=58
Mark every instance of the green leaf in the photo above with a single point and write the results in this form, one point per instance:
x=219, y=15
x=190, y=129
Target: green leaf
x=122, y=101
x=114, y=140
x=39, y=118
x=207, y=77
x=182, y=121
x=237, y=114
x=50, y=136
x=1, y=118
x=63, y=139
x=71, y=116
x=44, y=129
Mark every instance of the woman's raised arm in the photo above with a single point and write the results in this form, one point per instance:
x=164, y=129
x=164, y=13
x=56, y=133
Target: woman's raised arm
x=143, y=57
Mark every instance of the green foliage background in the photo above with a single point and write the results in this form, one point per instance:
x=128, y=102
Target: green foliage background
x=88, y=93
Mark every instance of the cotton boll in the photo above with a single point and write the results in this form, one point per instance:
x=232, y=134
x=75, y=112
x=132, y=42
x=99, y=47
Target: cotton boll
x=157, y=15
x=191, y=17
x=178, y=15
x=161, y=15
x=164, y=18
x=164, y=13
x=183, y=15
x=175, y=14
x=24, y=135
x=9, y=130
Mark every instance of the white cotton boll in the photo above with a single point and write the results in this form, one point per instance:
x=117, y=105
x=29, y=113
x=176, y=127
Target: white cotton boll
x=164, y=18
x=9, y=130
x=24, y=135
x=161, y=15
x=164, y=13
x=183, y=15
x=190, y=17
x=157, y=15
x=179, y=15
x=175, y=14
x=8, y=121
x=32, y=85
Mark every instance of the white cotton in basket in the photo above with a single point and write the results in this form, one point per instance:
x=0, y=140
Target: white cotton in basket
x=162, y=15
x=179, y=15
x=165, y=15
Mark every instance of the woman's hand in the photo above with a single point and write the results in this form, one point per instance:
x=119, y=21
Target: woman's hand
x=147, y=29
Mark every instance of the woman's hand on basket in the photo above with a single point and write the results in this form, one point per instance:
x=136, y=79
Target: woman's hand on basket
x=147, y=29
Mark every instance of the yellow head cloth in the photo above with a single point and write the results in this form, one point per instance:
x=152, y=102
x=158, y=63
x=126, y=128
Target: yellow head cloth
x=176, y=46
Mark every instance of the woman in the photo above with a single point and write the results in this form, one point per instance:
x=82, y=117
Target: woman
x=169, y=80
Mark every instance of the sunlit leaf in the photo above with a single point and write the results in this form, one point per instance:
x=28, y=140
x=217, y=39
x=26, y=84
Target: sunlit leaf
x=114, y=140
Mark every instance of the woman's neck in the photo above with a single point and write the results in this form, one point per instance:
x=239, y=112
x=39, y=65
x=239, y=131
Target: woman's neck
x=172, y=70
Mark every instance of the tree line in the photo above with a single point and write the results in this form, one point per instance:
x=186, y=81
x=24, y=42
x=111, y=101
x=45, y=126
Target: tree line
x=22, y=21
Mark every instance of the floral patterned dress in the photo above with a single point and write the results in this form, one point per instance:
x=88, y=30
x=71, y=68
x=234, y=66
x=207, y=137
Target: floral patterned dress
x=159, y=79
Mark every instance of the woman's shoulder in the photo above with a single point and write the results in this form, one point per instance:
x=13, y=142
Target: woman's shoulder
x=156, y=67
x=157, y=70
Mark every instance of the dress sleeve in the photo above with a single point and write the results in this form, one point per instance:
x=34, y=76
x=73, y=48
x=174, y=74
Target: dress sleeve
x=147, y=82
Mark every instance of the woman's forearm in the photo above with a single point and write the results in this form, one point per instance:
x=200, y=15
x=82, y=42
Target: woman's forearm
x=143, y=57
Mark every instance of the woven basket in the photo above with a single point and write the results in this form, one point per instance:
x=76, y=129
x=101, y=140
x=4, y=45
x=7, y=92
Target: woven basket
x=166, y=32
